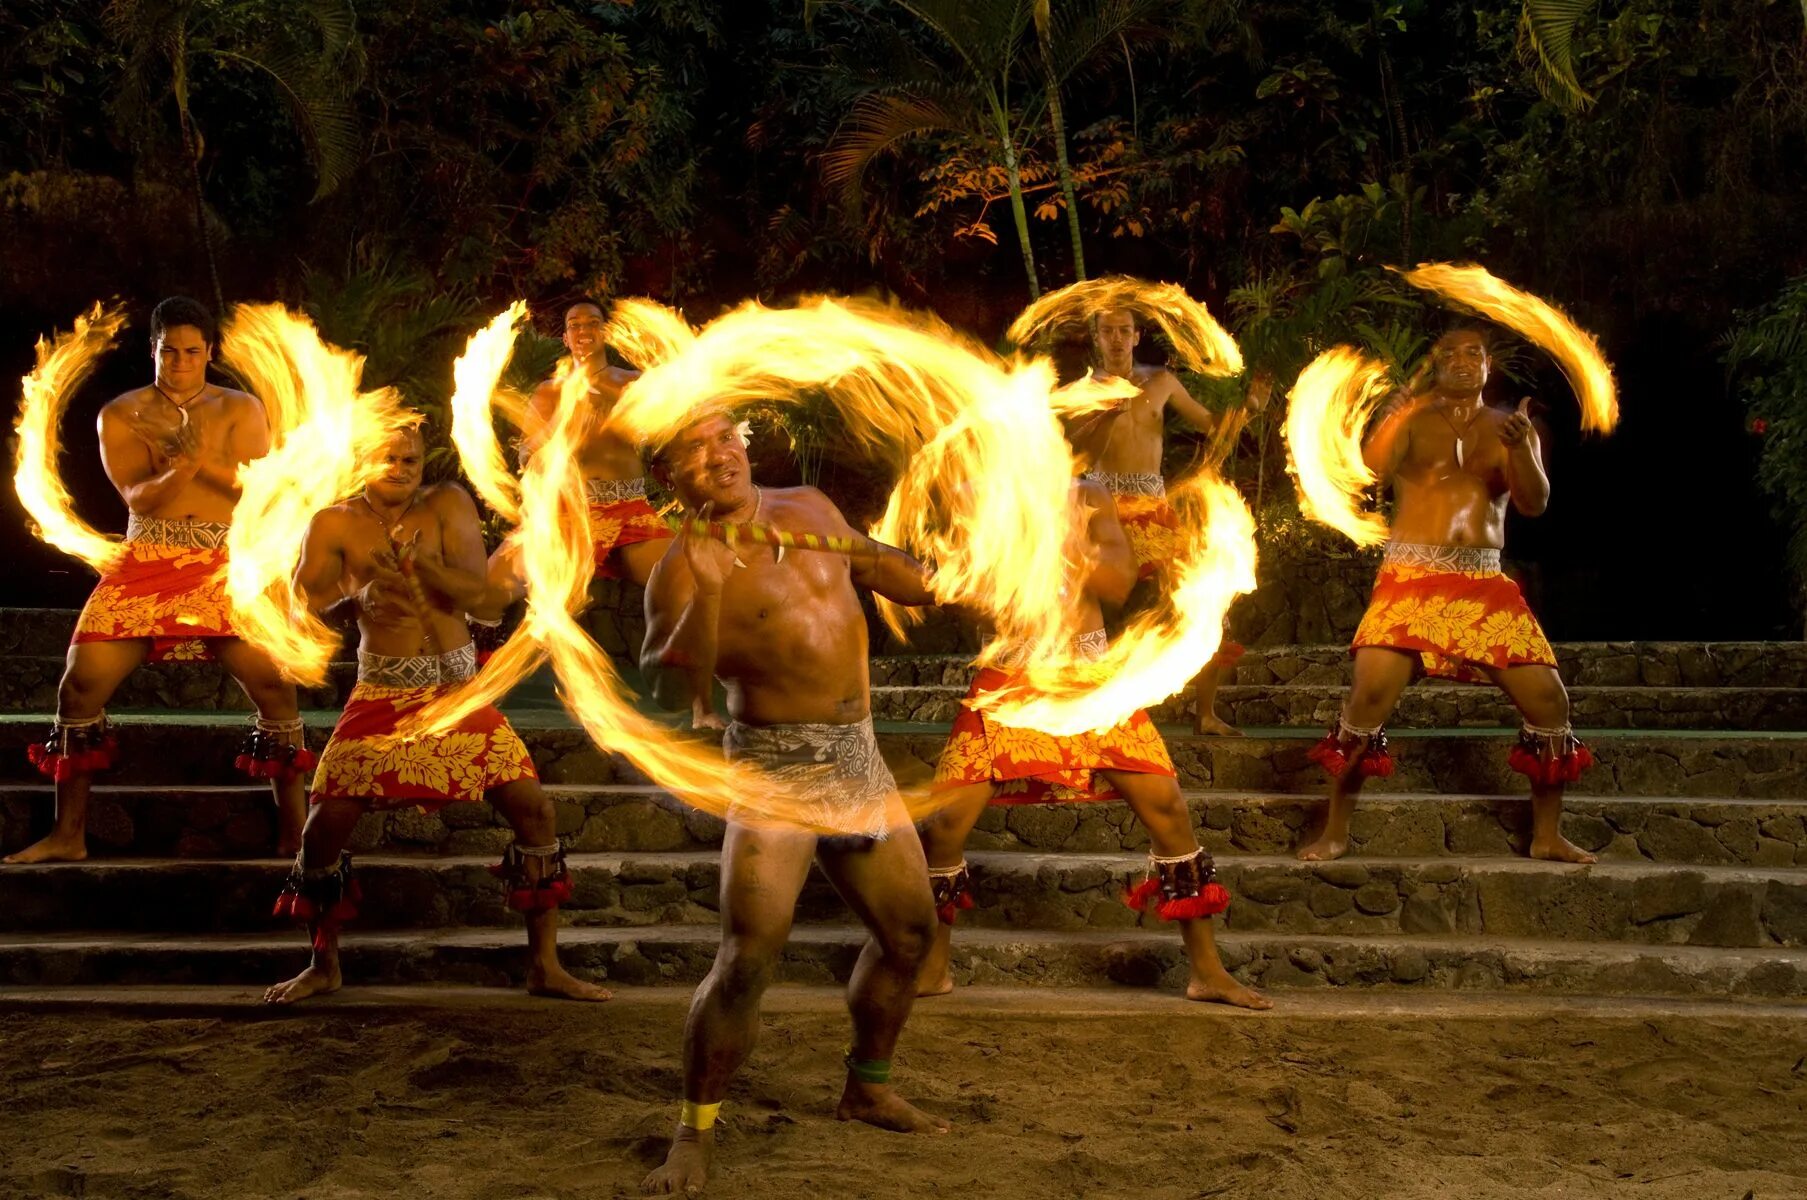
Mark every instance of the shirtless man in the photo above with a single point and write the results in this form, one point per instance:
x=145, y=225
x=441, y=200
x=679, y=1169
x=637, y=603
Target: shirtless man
x=1454, y=464
x=1129, y=466
x=785, y=634
x=172, y=450
x=984, y=764
x=401, y=562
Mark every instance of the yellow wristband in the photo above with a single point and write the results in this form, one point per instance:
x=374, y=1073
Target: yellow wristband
x=698, y=1116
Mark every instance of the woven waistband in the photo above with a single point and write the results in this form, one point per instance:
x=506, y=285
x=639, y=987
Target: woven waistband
x=1443, y=558
x=614, y=491
x=1087, y=647
x=418, y=670
x=1124, y=484
x=159, y=531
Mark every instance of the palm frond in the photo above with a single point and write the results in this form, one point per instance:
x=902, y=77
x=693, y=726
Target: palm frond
x=879, y=121
x=1546, y=45
x=1083, y=33
x=985, y=34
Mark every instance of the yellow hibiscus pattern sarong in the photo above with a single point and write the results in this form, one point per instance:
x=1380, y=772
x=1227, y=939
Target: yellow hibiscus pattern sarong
x=1455, y=621
x=366, y=760
x=1031, y=767
x=173, y=595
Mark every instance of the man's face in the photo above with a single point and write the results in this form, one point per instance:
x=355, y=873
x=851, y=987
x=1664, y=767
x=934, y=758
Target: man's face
x=583, y=330
x=1460, y=361
x=707, y=464
x=1116, y=336
x=181, y=354
x=402, y=460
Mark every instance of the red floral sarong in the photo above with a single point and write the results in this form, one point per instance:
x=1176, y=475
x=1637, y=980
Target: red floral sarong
x=1030, y=767
x=366, y=761
x=1150, y=525
x=172, y=592
x=1455, y=621
x=624, y=522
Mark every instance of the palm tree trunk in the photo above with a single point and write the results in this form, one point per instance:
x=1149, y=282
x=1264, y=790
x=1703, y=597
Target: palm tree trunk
x=1059, y=121
x=191, y=151
x=1018, y=211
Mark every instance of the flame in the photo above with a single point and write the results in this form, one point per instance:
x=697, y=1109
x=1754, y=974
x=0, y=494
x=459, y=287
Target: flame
x=1201, y=344
x=1162, y=648
x=1326, y=413
x=1540, y=323
x=331, y=450
x=474, y=379
x=61, y=367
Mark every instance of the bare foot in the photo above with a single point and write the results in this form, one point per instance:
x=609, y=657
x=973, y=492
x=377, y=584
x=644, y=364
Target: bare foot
x=1224, y=988
x=560, y=984
x=311, y=982
x=686, y=1166
x=1558, y=849
x=939, y=987
x=1209, y=723
x=876, y=1104
x=55, y=848
x=1324, y=849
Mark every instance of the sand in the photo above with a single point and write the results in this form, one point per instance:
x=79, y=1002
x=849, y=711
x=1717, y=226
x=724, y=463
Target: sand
x=1094, y=1094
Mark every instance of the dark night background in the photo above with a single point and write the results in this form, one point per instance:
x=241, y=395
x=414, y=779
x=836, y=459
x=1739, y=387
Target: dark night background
x=441, y=159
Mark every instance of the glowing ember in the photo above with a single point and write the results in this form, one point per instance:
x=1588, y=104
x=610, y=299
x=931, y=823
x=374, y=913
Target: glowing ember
x=1201, y=344
x=1538, y=322
x=62, y=365
x=1325, y=415
x=331, y=450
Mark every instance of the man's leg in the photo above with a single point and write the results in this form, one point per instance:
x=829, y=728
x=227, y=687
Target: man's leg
x=886, y=885
x=944, y=835
x=274, y=698
x=762, y=872
x=1380, y=676
x=92, y=672
x=1540, y=697
x=523, y=804
x=1204, y=693
x=320, y=883
x=1158, y=804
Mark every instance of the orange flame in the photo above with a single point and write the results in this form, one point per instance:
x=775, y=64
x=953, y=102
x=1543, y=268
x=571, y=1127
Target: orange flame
x=475, y=376
x=1201, y=344
x=1326, y=413
x=331, y=450
x=61, y=367
x=1540, y=323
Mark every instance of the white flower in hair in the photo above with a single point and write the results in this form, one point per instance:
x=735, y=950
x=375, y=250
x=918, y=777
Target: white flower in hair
x=745, y=431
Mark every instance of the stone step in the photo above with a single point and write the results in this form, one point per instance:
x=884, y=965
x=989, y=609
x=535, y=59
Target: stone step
x=824, y=954
x=28, y=684
x=187, y=749
x=1316, y=706
x=1583, y=664
x=1703, y=906
x=236, y=821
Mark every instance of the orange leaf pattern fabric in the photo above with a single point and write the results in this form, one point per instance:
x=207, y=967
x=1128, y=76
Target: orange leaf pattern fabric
x=622, y=523
x=1030, y=767
x=173, y=595
x=365, y=760
x=1455, y=621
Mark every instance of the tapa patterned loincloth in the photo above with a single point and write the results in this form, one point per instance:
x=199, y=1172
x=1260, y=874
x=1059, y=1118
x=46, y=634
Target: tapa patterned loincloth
x=835, y=773
x=417, y=670
x=1127, y=483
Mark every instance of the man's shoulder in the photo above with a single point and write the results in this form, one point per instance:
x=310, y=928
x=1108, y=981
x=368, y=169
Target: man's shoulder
x=1150, y=376
x=127, y=401
x=804, y=499
x=447, y=496
x=235, y=399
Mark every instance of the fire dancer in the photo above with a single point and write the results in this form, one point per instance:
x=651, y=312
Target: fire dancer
x=987, y=763
x=1441, y=607
x=172, y=450
x=1129, y=467
x=785, y=634
x=400, y=561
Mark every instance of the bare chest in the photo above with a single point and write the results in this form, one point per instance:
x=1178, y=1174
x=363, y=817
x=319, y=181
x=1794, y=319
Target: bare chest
x=367, y=537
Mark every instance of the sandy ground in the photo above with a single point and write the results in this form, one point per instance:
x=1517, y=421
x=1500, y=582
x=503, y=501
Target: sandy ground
x=1099, y=1094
